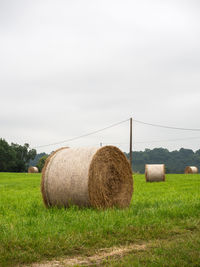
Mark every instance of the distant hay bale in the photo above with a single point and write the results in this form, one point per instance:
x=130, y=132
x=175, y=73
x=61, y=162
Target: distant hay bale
x=191, y=169
x=87, y=177
x=155, y=172
x=32, y=169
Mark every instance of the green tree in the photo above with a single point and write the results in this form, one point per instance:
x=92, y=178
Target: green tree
x=34, y=162
x=41, y=162
x=23, y=156
x=7, y=156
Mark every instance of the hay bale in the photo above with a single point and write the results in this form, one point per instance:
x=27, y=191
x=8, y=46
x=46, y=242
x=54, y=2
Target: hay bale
x=87, y=177
x=32, y=169
x=191, y=169
x=155, y=172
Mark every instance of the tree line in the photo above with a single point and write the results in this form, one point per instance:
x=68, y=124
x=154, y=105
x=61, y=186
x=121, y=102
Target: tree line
x=14, y=157
x=17, y=158
x=175, y=161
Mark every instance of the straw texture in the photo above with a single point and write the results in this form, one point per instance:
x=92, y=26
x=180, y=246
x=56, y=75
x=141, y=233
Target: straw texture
x=155, y=172
x=32, y=169
x=191, y=169
x=87, y=177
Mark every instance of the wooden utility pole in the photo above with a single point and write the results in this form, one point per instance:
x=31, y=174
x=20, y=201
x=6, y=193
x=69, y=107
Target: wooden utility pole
x=131, y=145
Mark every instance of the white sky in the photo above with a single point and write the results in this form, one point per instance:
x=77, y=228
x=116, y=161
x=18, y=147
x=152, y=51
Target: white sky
x=71, y=67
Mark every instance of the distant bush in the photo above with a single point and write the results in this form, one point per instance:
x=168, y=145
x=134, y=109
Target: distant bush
x=41, y=162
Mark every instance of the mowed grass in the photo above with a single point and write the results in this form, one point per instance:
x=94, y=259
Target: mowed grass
x=165, y=215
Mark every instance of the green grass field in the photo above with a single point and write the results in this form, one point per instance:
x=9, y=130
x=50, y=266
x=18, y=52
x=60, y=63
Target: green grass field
x=165, y=216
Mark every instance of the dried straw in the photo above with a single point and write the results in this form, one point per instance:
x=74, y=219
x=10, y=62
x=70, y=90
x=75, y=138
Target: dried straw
x=155, y=172
x=191, y=169
x=87, y=177
x=32, y=169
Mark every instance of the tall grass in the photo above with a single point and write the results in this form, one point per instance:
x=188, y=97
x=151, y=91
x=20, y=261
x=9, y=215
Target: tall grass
x=30, y=232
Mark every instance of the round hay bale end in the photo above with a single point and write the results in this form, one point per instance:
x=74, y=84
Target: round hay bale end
x=87, y=177
x=155, y=172
x=191, y=170
x=32, y=169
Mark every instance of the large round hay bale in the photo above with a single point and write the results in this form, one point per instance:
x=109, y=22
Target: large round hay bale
x=32, y=169
x=155, y=172
x=87, y=177
x=191, y=169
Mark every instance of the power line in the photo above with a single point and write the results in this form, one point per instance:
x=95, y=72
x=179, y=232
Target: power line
x=118, y=123
x=167, y=140
x=81, y=136
x=164, y=126
x=113, y=143
x=152, y=141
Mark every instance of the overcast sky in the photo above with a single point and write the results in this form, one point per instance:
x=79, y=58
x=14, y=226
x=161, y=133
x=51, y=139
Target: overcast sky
x=71, y=67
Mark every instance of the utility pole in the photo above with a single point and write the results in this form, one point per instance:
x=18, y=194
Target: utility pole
x=131, y=145
x=101, y=144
